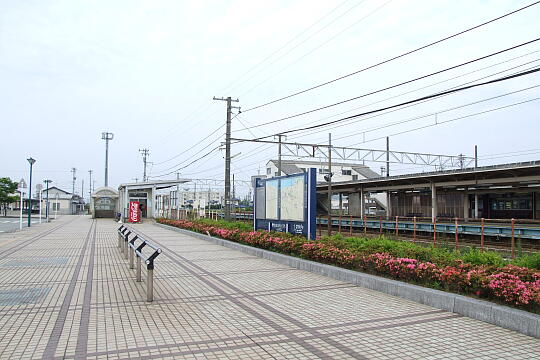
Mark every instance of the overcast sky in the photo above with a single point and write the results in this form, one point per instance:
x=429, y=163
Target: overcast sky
x=147, y=71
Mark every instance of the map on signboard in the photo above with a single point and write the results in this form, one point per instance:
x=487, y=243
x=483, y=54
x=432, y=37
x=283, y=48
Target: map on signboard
x=292, y=198
x=271, y=199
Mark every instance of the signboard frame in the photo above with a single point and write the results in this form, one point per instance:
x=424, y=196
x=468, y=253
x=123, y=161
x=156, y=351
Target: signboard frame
x=307, y=226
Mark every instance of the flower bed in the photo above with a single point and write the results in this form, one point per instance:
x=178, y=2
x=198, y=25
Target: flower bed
x=509, y=284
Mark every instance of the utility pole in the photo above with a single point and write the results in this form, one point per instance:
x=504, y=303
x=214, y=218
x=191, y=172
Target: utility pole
x=387, y=156
x=177, y=194
x=329, y=184
x=233, y=193
x=145, y=153
x=279, y=154
x=90, y=184
x=82, y=188
x=73, y=172
x=107, y=136
x=228, y=156
x=475, y=156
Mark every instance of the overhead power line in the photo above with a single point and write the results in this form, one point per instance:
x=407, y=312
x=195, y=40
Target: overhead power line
x=393, y=58
x=397, y=85
x=455, y=90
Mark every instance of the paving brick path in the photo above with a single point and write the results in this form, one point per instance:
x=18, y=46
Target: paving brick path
x=65, y=292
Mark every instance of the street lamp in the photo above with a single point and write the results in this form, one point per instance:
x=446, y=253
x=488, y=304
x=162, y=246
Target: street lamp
x=31, y=161
x=22, y=186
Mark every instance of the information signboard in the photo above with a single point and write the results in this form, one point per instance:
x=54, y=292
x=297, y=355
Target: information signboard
x=134, y=211
x=287, y=203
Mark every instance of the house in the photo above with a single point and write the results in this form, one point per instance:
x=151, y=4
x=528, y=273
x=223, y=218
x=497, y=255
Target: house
x=62, y=202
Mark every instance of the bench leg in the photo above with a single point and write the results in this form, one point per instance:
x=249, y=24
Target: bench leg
x=150, y=285
x=139, y=266
x=131, y=253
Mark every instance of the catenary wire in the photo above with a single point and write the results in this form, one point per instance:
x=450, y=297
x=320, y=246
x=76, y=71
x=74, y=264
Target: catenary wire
x=398, y=84
x=406, y=103
x=394, y=58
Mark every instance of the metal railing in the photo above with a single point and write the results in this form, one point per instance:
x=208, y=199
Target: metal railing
x=133, y=248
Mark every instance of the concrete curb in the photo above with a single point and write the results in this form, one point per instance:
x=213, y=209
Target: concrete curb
x=503, y=316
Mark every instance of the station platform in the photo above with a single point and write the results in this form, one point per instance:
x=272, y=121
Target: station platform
x=66, y=292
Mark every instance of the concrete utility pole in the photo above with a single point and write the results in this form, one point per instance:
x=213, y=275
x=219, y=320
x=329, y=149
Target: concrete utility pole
x=329, y=184
x=107, y=136
x=73, y=172
x=279, y=154
x=145, y=153
x=90, y=184
x=82, y=188
x=387, y=156
x=228, y=156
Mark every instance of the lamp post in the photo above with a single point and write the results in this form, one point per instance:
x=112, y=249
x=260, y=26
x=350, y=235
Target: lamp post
x=31, y=162
x=22, y=186
x=47, y=200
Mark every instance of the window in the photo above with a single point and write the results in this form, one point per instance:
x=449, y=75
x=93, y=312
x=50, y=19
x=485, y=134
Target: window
x=268, y=171
x=56, y=206
x=323, y=171
x=303, y=169
x=355, y=177
x=346, y=172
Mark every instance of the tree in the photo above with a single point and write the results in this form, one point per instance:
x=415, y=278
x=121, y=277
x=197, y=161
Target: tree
x=7, y=189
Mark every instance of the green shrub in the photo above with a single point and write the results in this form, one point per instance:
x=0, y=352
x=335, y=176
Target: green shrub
x=229, y=225
x=531, y=261
x=478, y=257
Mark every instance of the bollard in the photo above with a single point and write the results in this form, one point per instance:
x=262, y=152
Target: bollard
x=150, y=284
x=435, y=232
x=513, y=238
x=414, y=229
x=350, y=225
x=457, y=235
x=397, y=224
x=482, y=235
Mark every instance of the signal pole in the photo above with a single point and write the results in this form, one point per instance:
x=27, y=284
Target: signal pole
x=145, y=153
x=107, y=136
x=228, y=156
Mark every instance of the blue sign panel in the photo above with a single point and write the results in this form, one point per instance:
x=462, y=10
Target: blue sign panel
x=287, y=204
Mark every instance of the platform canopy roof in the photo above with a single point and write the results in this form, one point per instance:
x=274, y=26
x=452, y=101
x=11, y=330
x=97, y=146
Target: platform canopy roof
x=161, y=184
x=523, y=174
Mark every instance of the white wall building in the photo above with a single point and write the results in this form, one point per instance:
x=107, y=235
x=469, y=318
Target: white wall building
x=341, y=171
x=62, y=202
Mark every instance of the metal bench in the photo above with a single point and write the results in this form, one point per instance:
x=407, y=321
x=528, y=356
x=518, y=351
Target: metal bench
x=137, y=247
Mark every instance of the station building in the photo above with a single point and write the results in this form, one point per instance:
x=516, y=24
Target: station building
x=145, y=193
